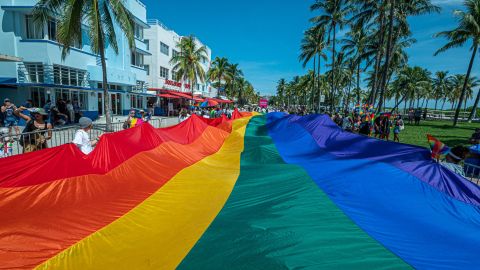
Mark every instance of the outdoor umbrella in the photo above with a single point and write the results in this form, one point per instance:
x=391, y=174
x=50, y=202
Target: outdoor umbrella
x=208, y=103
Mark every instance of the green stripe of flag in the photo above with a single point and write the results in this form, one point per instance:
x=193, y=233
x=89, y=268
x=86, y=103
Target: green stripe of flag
x=277, y=218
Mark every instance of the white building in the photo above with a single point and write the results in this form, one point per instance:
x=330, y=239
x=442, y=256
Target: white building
x=161, y=44
x=39, y=73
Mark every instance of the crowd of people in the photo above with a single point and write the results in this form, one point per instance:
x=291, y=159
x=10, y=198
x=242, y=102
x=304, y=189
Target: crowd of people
x=381, y=126
x=38, y=123
x=213, y=112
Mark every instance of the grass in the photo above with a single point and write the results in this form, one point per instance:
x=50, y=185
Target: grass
x=442, y=130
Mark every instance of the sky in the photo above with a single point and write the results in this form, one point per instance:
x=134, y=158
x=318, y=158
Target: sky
x=264, y=36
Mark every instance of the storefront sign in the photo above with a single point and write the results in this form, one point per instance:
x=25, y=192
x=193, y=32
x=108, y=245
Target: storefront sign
x=177, y=84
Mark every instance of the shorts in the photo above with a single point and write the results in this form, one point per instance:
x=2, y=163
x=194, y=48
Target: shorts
x=396, y=131
x=11, y=122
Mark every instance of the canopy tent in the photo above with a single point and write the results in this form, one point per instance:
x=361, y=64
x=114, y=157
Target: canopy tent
x=289, y=192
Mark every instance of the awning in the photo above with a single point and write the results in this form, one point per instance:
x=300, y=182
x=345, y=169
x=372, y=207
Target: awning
x=168, y=96
x=222, y=100
x=183, y=95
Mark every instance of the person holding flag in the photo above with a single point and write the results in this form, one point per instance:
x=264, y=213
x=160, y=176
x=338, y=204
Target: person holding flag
x=451, y=157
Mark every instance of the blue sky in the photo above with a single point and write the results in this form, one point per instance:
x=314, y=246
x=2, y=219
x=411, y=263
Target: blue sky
x=263, y=36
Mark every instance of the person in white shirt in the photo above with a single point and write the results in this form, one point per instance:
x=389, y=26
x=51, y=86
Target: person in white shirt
x=82, y=138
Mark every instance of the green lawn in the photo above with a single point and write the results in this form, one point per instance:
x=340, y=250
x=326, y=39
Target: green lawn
x=442, y=130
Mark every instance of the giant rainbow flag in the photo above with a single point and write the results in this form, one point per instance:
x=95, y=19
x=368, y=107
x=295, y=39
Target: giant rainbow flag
x=257, y=192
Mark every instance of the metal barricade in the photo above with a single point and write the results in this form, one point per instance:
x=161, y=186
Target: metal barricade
x=472, y=172
x=14, y=144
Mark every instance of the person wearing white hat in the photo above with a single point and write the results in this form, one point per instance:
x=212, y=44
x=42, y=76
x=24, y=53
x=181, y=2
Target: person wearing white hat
x=82, y=138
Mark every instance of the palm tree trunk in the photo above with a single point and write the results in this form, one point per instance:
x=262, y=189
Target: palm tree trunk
x=474, y=109
x=378, y=58
x=314, y=75
x=333, y=67
x=347, y=101
x=388, y=56
x=436, y=101
x=106, y=96
x=358, y=83
x=398, y=103
x=318, y=81
x=464, y=90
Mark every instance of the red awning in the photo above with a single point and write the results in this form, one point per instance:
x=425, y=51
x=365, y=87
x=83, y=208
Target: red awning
x=175, y=93
x=168, y=96
x=222, y=100
x=181, y=94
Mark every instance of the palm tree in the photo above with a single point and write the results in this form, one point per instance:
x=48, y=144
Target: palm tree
x=313, y=45
x=474, y=109
x=281, y=90
x=234, y=74
x=100, y=17
x=440, y=85
x=411, y=82
x=188, y=62
x=355, y=46
x=468, y=29
x=334, y=15
x=398, y=13
x=218, y=71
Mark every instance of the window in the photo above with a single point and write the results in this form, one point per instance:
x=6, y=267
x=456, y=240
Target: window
x=52, y=29
x=137, y=59
x=34, y=29
x=68, y=76
x=138, y=31
x=147, y=69
x=136, y=101
x=75, y=96
x=164, y=48
x=174, y=53
x=37, y=95
x=147, y=44
x=174, y=76
x=34, y=72
x=164, y=72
